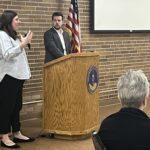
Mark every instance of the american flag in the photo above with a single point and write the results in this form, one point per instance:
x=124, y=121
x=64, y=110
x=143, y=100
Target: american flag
x=73, y=27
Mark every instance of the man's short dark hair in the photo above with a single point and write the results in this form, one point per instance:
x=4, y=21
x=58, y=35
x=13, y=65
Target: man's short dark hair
x=57, y=14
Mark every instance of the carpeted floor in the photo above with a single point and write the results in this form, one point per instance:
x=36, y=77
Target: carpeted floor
x=34, y=128
x=44, y=142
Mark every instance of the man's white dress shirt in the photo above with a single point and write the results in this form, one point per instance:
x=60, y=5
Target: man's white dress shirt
x=60, y=33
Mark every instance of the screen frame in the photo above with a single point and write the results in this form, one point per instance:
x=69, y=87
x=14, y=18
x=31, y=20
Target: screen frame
x=93, y=30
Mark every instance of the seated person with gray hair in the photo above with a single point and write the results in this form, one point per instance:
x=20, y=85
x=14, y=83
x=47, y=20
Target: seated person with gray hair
x=129, y=128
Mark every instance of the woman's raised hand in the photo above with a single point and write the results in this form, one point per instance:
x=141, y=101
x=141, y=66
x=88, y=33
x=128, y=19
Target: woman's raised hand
x=26, y=40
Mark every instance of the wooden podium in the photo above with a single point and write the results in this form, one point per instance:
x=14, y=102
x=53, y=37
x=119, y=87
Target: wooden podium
x=69, y=108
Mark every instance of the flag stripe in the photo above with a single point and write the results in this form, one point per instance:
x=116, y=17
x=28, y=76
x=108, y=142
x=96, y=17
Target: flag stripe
x=73, y=27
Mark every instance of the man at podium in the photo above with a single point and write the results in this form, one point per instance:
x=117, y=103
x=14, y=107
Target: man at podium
x=56, y=40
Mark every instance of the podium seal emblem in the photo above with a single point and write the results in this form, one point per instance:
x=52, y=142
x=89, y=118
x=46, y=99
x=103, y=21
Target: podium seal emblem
x=92, y=79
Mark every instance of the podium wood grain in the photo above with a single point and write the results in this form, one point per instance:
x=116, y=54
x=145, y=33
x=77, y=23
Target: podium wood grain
x=69, y=109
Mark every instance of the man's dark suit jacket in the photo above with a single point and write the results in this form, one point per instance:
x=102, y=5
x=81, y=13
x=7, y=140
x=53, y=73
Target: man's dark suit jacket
x=128, y=129
x=53, y=46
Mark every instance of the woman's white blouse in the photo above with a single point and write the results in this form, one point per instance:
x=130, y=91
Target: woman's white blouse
x=13, y=59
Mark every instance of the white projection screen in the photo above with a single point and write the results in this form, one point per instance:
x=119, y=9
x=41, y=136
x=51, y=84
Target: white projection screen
x=121, y=15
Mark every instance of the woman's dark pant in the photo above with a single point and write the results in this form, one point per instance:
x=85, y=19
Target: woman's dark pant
x=10, y=104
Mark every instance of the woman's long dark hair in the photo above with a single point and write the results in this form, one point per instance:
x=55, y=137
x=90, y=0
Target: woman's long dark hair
x=6, y=21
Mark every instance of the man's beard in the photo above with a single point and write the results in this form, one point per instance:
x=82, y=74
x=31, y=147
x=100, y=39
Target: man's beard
x=57, y=28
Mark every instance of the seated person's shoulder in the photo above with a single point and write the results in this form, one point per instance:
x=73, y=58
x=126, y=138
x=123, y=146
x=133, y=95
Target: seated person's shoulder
x=110, y=117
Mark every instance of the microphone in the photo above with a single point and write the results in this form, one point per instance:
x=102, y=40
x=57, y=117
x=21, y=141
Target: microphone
x=29, y=45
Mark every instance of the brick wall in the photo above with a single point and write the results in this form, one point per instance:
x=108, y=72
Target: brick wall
x=119, y=52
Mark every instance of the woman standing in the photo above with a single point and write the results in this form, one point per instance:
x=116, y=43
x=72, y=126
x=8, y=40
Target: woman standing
x=14, y=70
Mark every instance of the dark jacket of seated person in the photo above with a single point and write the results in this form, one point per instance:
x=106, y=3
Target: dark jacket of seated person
x=129, y=128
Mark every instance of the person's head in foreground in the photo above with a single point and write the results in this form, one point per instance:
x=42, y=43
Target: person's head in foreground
x=133, y=89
